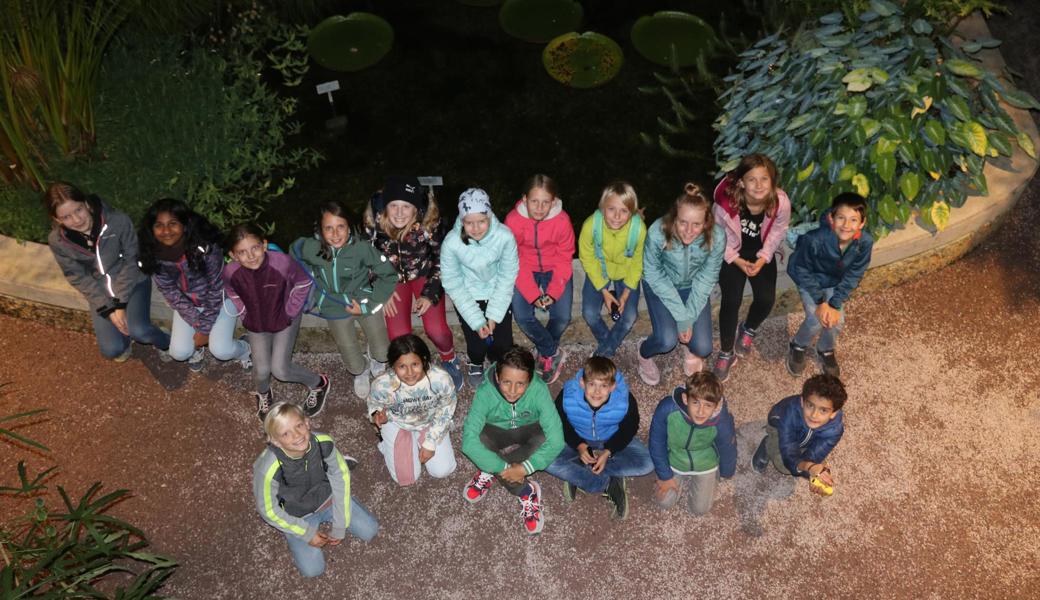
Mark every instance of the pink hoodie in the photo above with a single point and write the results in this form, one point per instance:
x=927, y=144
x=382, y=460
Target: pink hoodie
x=546, y=245
x=774, y=228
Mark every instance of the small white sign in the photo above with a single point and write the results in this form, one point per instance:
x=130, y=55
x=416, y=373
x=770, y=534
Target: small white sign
x=431, y=180
x=328, y=86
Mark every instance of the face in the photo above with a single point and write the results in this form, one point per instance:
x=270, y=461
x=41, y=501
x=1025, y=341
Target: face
x=409, y=369
x=689, y=223
x=539, y=202
x=757, y=185
x=250, y=252
x=167, y=230
x=699, y=410
x=846, y=223
x=615, y=213
x=513, y=383
x=476, y=225
x=818, y=411
x=334, y=230
x=75, y=216
x=597, y=391
x=401, y=213
x=293, y=435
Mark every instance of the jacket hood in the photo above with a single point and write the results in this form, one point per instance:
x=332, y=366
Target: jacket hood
x=554, y=210
x=712, y=420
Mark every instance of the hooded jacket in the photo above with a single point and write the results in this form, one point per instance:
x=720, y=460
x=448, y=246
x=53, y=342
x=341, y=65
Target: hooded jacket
x=491, y=408
x=417, y=254
x=480, y=270
x=679, y=443
x=106, y=275
x=774, y=228
x=356, y=271
x=797, y=441
x=187, y=290
x=818, y=263
x=546, y=245
x=619, y=267
x=269, y=298
x=682, y=267
x=611, y=426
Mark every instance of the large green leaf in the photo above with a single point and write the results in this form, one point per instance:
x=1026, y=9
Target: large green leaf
x=888, y=210
x=909, y=185
x=1026, y=143
x=935, y=132
x=657, y=37
x=1001, y=142
x=958, y=108
x=975, y=134
x=350, y=43
x=885, y=167
x=1020, y=99
x=963, y=68
x=583, y=60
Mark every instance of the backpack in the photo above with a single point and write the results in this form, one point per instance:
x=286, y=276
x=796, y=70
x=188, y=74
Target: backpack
x=597, y=239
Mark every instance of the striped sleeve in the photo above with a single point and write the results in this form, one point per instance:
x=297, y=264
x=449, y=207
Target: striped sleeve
x=339, y=478
x=265, y=491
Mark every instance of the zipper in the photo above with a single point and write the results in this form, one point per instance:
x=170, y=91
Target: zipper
x=594, y=436
x=805, y=442
x=689, y=438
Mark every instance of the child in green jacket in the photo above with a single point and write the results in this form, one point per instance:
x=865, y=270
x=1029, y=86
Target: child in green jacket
x=511, y=431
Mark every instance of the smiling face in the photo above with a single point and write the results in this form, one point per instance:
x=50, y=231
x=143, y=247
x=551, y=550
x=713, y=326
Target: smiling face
x=293, y=435
x=817, y=411
x=597, y=391
x=409, y=368
x=689, y=222
x=334, y=230
x=513, y=382
x=539, y=202
x=250, y=252
x=167, y=230
x=401, y=214
x=74, y=216
x=846, y=223
x=699, y=410
x=757, y=186
x=615, y=213
x=476, y=225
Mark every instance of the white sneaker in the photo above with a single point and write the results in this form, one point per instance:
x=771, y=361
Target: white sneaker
x=376, y=368
x=648, y=371
x=362, y=385
x=691, y=362
x=197, y=359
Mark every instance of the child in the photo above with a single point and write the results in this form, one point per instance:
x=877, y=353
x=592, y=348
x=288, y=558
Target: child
x=352, y=281
x=681, y=264
x=803, y=430
x=412, y=406
x=181, y=250
x=269, y=290
x=611, y=251
x=479, y=265
x=692, y=441
x=545, y=241
x=600, y=420
x=301, y=481
x=511, y=431
x=827, y=264
x=96, y=248
x=754, y=213
x=405, y=225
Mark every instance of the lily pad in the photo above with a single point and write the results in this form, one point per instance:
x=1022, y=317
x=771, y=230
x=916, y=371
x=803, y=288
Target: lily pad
x=583, y=60
x=539, y=20
x=481, y=2
x=655, y=37
x=350, y=43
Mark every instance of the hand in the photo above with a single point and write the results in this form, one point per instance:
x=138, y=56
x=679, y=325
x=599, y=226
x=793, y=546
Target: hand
x=743, y=265
x=828, y=315
x=118, y=318
x=425, y=455
x=755, y=267
x=609, y=298
x=623, y=300
x=422, y=305
x=514, y=474
x=662, y=487
x=320, y=539
x=686, y=336
x=544, y=301
x=379, y=418
x=201, y=339
x=354, y=308
x=491, y=326
x=584, y=454
x=601, y=461
x=390, y=308
x=333, y=541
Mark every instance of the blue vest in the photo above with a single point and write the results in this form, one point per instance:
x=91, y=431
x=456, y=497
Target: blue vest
x=595, y=426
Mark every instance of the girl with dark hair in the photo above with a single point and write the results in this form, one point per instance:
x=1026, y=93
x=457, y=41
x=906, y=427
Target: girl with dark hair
x=352, y=283
x=181, y=250
x=96, y=248
x=412, y=405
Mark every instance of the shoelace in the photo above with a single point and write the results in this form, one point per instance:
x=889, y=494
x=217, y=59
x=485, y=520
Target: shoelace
x=264, y=402
x=312, y=398
x=528, y=508
x=483, y=482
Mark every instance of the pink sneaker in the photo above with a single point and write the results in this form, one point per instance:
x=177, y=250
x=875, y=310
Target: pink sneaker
x=648, y=371
x=691, y=362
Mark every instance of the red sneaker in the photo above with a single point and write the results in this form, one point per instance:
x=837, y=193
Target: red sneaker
x=478, y=487
x=531, y=509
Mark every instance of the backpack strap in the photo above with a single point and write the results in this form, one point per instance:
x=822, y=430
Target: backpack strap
x=597, y=241
x=633, y=235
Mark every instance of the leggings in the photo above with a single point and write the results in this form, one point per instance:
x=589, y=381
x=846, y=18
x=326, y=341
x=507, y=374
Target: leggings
x=272, y=355
x=763, y=290
x=345, y=332
x=434, y=322
x=502, y=338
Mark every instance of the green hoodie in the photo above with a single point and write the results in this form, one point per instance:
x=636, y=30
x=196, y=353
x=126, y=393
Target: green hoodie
x=491, y=408
x=356, y=271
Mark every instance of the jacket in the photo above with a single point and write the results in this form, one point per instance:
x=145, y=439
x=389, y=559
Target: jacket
x=491, y=408
x=619, y=267
x=287, y=489
x=357, y=271
x=417, y=254
x=429, y=404
x=797, y=441
x=546, y=245
x=818, y=263
x=682, y=267
x=107, y=275
x=611, y=426
x=679, y=443
x=480, y=270
x=271, y=297
x=774, y=228
x=187, y=290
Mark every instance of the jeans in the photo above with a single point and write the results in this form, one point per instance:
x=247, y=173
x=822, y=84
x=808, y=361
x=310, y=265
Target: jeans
x=272, y=354
x=345, y=332
x=501, y=339
x=112, y=342
x=434, y=320
x=763, y=294
x=699, y=489
x=811, y=325
x=546, y=338
x=222, y=342
x=513, y=446
x=310, y=560
x=439, y=466
x=665, y=333
x=632, y=461
x=609, y=338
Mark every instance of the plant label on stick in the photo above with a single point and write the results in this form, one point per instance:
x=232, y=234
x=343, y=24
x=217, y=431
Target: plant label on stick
x=328, y=87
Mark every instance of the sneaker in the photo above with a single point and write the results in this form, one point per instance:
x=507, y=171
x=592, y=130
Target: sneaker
x=475, y=375
x=554, y=365
x=828, y=362
x=795, y=360
x=691, y=362
x=247, y=361
x=648, y=371
x=478, y=487
x=531, y=509
x=164, y=355
x=197, y=360
x=315, y=401
x=264, y=401
x=745, y=339
x=542, y=365
x=570, y=492
x=723, y=363
x=617, y=494
x=452, y=367
x=362, y=384
x=760, y=460
x=376, y=368
x=350, y=460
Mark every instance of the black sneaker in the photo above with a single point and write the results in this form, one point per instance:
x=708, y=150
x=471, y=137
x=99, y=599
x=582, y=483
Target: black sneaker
x=745, y=340
x=617, y=494
x=570, y=492
x=828, y=362
x=475, y=375
x=723, y=363
x=264, y=401
x=795, y=360
x=315, y=402
x=351, y=462
x=760, y=460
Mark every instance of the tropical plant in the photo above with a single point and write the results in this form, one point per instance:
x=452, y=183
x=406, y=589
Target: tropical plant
x=943, y=14
x=883, y=106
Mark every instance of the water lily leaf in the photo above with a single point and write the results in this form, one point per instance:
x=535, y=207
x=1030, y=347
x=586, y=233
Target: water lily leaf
x=885, y=166
x=583, y=60
x=1026, y=143
x=909, y=185
x=935, y=132
x=860, y=183
x=1020, y=99
x=350, y=43
x=654, y=37
x=539, y=21
x=963, y=68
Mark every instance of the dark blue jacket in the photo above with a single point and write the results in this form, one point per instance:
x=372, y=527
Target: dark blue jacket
x=797, y=441
x=818, y=263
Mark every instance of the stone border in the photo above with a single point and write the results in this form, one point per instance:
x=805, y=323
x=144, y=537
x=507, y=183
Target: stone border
x=32, y=285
